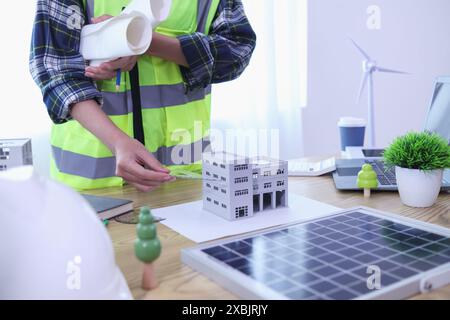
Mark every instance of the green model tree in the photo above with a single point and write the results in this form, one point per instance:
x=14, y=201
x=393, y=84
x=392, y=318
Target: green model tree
x=367, y=179
x=147, y=247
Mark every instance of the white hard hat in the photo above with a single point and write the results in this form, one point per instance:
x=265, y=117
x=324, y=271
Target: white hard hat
x=52, y=244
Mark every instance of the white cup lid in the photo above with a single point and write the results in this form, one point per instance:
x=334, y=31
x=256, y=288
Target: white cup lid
x=351, y=122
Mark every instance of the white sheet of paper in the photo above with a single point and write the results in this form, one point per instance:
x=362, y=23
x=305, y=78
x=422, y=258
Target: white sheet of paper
x=198, y=225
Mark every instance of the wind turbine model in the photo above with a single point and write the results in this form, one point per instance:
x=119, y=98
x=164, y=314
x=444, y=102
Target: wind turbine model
x=370, y=66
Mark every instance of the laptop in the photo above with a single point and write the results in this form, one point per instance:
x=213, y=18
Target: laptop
x=438, y=121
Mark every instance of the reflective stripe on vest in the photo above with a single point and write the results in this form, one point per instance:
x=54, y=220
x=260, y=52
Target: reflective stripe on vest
x=154, y=97
x=83, y=162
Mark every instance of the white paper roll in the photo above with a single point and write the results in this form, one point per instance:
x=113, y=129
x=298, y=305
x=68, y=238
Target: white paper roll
x=128, y=34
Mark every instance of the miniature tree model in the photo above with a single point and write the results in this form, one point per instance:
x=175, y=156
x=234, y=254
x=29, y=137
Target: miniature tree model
x=367, y=179
x=147, y=248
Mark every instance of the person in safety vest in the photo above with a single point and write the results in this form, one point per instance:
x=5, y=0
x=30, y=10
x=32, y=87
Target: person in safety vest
x=158, y=120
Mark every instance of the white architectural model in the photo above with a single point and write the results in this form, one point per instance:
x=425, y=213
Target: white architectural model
x=236, y=187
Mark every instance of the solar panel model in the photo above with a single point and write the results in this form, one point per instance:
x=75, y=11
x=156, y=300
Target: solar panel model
x=355, y=254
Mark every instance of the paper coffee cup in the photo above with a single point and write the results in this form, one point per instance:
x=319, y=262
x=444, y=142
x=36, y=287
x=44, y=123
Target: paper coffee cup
x=352, y=131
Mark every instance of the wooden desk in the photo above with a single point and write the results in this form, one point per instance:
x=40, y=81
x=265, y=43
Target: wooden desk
x=180, y=282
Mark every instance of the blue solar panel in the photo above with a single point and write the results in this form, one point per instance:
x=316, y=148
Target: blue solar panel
x=329, y=259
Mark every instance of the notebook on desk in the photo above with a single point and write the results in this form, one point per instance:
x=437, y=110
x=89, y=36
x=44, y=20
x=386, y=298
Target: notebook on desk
x=108, y=208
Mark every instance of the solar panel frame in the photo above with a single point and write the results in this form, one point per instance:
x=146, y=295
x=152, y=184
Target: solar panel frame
x=247, y=288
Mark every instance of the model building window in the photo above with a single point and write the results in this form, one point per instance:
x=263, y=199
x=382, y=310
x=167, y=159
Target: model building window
x=216, y=188
x=224, y=206
x=280, y=183
x=280, y=171
x=223, y=166
x=4, y=153
x=241, y=180
x=216, y=203
x=267, y=173
x=267, y=185
x=224, y=191
x=208, y=173
x=241, y=167
x=241, y=193
x=255, y=176
x=208, y=199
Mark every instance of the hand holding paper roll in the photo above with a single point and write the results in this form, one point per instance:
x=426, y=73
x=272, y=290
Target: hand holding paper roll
x=128, y=34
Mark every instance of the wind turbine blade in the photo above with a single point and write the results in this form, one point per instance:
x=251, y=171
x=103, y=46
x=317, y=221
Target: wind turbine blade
x=363, y=85
x=390, y=71
x=365, y=55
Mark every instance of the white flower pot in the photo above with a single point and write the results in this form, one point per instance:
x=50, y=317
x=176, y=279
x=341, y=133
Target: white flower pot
x=417, y=188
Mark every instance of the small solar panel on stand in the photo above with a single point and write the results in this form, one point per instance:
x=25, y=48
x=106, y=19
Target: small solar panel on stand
x=328, y=258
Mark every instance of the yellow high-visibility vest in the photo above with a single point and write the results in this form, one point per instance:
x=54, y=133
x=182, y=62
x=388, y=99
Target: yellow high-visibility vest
x=176, y=123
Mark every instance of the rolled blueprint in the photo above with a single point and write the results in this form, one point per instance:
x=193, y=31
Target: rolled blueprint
x=128, y=34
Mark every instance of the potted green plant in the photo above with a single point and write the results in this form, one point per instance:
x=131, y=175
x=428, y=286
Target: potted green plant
x=419, y=160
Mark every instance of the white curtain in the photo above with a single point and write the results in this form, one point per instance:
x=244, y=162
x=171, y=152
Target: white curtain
x=273, y=89
x=22, y=113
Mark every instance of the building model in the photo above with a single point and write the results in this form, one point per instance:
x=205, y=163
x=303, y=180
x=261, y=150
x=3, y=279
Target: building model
x=237, y=187
x=15, y=153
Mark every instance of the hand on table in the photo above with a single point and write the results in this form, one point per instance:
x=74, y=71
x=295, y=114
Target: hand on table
x=139, y=167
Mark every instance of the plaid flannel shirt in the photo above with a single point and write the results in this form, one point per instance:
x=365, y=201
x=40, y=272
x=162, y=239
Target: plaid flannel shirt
x=58, y=68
